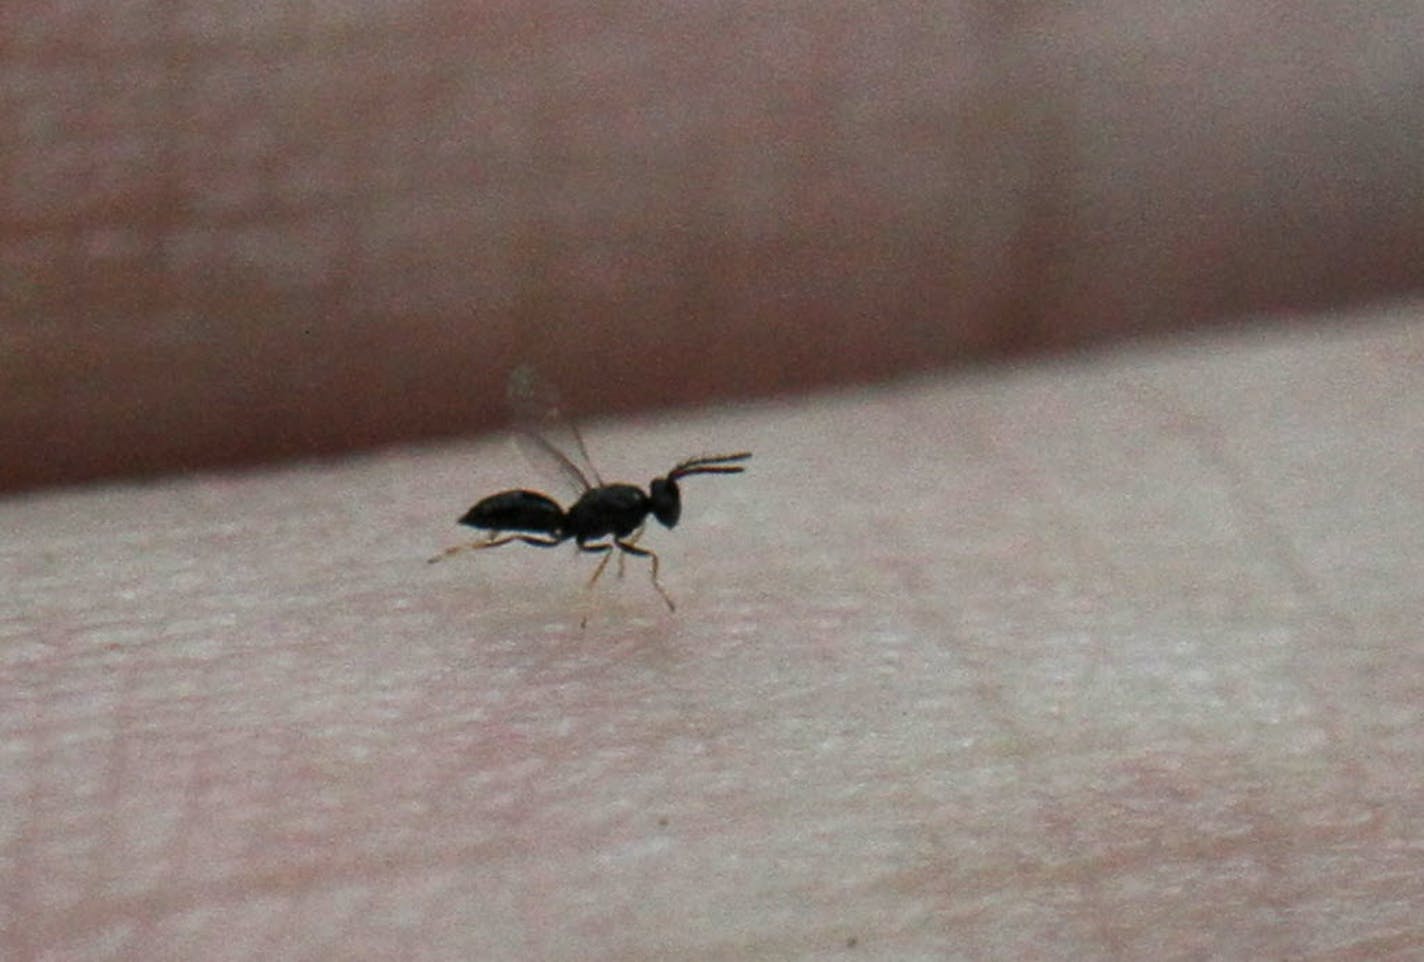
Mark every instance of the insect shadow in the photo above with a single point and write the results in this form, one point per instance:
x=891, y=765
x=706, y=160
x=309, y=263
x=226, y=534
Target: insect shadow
x=605, y=518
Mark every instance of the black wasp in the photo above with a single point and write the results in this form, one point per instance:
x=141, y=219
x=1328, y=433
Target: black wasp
x=605, y=516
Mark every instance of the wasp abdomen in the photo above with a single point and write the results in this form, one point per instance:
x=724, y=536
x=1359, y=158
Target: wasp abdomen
x=517, y=511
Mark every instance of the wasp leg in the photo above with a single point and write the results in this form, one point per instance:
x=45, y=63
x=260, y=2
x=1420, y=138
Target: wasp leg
x=492, y=542
x=603, y=549
x=607, y=551
x=645, y=553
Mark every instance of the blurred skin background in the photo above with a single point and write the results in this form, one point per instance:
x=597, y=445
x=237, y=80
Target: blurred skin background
x=233, y=233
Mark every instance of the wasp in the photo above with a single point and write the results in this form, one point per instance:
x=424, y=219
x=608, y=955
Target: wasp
x=605, y=518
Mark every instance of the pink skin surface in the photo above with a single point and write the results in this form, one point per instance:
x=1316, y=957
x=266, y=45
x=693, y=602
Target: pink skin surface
x=1105, y=658
x=1109, y=656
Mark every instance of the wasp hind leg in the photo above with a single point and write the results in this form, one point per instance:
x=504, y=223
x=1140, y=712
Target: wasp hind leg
x=607, y=551
x=493, y=541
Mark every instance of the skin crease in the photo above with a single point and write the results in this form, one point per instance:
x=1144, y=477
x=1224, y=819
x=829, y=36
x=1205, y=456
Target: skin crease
x=1132, y=674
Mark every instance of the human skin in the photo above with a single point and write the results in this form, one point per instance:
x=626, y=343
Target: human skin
x=1122, y=665
x=234, y=232
x=1111, y=658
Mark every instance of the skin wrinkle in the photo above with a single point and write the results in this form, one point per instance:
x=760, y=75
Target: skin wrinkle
x=1268, y=532
x=1324, y=609
x=1088, y=884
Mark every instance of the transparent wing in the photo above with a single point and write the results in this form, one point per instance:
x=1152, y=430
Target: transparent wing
x=545, y=434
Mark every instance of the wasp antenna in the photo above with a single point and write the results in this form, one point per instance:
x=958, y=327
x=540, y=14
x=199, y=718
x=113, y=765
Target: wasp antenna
x=710, y=464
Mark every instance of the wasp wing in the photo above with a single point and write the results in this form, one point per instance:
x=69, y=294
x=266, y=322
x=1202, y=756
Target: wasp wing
x=543, y=431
